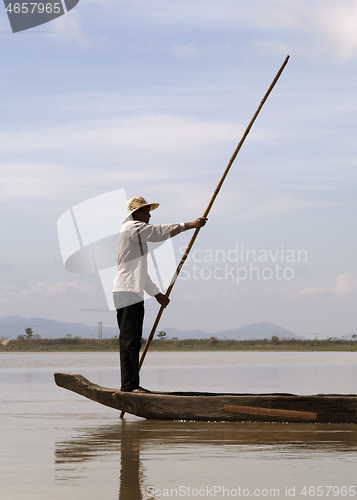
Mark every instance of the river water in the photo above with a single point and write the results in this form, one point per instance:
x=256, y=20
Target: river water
x=58, y=445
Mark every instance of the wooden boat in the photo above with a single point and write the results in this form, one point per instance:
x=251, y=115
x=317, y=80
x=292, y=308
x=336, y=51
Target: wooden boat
x=321, y=408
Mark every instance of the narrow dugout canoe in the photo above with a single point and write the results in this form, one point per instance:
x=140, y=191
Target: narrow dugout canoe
x=321, y=408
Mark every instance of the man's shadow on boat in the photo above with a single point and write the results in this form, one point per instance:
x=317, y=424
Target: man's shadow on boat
x=135, y=440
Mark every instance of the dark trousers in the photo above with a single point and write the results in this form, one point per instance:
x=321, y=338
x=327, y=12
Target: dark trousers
x=130, y=321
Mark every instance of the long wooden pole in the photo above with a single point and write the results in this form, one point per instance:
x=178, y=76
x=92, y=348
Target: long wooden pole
x=188, y=249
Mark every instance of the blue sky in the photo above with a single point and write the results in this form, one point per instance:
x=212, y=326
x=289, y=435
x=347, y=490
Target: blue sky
x=153, y=97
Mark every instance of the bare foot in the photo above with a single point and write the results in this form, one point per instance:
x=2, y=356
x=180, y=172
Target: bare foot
x=141, y=390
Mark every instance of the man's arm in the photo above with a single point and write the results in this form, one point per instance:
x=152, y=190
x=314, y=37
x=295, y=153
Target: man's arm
x=197, y=224
x=155, y=233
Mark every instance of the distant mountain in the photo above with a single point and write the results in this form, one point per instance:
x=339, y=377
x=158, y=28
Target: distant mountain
x=12, y=326
x=259, y=331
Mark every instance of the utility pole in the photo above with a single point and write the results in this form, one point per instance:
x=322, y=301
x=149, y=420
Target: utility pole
x=100, y=332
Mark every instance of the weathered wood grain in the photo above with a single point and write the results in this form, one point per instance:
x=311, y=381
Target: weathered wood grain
x=250, y=410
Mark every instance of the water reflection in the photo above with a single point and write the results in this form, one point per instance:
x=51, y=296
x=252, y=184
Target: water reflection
x=141, y=442
x=130, y=467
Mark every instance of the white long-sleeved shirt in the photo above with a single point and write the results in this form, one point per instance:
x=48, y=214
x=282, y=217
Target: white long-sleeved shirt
x=132, y=274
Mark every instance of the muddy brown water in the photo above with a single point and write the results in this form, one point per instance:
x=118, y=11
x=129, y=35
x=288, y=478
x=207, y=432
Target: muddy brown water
x=58, y=445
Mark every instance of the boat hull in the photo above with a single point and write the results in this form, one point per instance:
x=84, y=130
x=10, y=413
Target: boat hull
x=322, y=408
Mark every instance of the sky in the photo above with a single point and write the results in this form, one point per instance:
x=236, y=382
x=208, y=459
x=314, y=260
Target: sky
x=153, y=97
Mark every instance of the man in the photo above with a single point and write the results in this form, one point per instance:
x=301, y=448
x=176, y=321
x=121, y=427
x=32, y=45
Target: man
x=132, y=279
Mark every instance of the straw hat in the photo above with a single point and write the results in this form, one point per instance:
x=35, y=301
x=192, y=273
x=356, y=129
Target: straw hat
x=135, y=203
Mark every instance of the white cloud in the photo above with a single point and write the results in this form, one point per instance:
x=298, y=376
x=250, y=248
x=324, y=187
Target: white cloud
x=28, y=182
x=322, y=25
x=338, y=23
x=67, y=27
x=345, y=284
x=286, y=14
x=149, y=136
x=149, y=132
x=308, y=25
x=128, y=140
x=171, y=11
